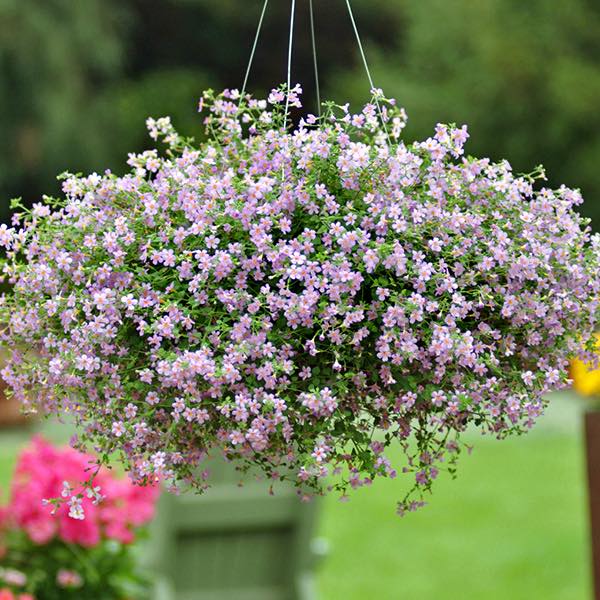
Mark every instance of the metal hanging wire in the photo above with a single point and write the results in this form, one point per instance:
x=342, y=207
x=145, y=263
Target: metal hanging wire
x=314, y=51
x=315, y=59
x=253, y=51
x=370, y=78
x=290, y=48
x=289, y=64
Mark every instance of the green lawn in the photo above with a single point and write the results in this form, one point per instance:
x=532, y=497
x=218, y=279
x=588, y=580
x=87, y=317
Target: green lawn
x=511, y=527
x=10, y=442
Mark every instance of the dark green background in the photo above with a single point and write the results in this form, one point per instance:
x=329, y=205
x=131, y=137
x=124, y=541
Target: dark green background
x=78, y=78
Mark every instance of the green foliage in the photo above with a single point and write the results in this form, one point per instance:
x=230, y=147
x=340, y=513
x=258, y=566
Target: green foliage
x=121, y=110
x=54, y=56
x=70, y=96
x=105, y=572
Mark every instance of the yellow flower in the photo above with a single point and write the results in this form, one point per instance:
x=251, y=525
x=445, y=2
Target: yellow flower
x=586, y=380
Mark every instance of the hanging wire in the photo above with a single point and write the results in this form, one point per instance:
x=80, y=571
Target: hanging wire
x=258, y=30
x=364, y=59
x=315, y=61
x=289, y=64
x=314, y=50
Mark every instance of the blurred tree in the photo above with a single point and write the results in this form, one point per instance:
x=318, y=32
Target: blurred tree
x=54, y=56
x=77, y=79
x=524, y=76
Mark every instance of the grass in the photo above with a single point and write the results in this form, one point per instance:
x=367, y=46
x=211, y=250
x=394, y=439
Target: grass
x=10, y=443
x=512, y=526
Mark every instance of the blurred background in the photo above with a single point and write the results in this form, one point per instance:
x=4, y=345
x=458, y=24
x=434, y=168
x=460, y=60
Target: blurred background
x=78, y=79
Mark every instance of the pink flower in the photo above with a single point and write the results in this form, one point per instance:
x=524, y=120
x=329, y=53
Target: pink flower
x=42, y=472
x=435, y=244
x=85, y=532
x=6, y=594
x=68, y=579
x=14, y=577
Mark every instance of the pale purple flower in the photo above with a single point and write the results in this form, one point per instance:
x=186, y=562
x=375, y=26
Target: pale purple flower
x=297, y=300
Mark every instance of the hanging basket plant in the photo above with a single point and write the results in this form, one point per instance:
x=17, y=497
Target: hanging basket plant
x=300, y=300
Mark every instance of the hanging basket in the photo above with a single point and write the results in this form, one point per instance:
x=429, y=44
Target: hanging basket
x=299, y=300
x=298, y=297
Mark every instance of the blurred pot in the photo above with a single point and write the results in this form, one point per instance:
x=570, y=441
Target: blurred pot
x=10, y=410
x=235, y=543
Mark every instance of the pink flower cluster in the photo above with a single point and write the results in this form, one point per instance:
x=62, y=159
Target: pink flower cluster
x=44, y=471
x=298, y=299
x=6, y=594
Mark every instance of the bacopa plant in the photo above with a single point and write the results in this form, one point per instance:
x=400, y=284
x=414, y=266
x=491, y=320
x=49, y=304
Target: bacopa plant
x=298, y=299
